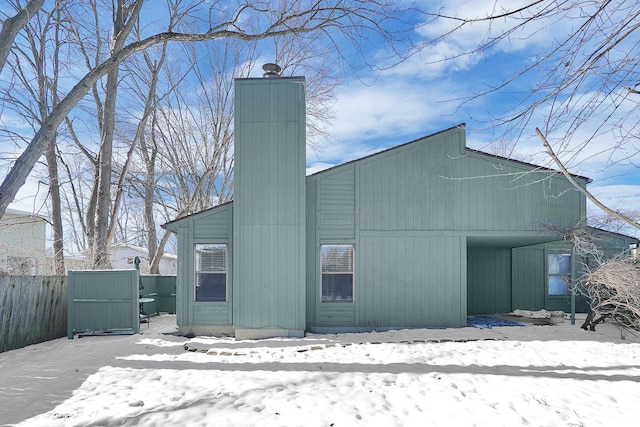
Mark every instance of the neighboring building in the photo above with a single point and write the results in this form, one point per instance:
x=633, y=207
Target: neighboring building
x=123, y=258
x=420, y=235
x=22, y=243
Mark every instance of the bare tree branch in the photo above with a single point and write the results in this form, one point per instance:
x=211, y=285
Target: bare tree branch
x=11, y=27
x=579, y=187
x=350, y=19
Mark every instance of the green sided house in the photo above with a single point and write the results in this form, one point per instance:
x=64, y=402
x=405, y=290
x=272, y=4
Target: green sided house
x=420, y=235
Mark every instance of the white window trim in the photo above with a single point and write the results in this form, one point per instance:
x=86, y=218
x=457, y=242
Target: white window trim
x=195, y=272
x=353, y=271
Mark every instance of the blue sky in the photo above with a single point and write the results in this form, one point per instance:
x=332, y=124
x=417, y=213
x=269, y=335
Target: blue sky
x=375, y=110
x=419, y=97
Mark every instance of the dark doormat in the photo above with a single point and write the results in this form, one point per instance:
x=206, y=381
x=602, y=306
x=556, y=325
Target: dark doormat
x=488, y=322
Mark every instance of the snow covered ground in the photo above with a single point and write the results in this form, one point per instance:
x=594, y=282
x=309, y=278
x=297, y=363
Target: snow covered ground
x=554, y=375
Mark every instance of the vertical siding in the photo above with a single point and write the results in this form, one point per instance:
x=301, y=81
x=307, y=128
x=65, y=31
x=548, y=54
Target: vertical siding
x=405, y=280
x=335, y=221
x=412, y=204
x=500, y=195
x=312, y=270
x=562, y=302
x=488, y=280
x=528, y=278
x=410, y=188
x=211, y=226
x=184, y=278
x=269, y=204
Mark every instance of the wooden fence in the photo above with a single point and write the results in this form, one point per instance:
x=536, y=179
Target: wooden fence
x=33, y=309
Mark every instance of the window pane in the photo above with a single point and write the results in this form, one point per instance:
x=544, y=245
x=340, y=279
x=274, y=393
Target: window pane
x=211, y=272
x=558, y=285
x=337, y=258
x=211, y=287
x=559, y=264
x=337, y=287
x=337, y=273
x=211, y=258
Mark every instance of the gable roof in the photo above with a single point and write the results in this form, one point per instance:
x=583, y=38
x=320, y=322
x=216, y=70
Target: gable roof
x=387, y=150
x=471, y=150
x=379, y=153
x=613, y=233
x=189, y=216
x=523, y=163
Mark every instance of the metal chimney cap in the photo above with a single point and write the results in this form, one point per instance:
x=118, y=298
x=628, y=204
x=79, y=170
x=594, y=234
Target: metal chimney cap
x=271, y=70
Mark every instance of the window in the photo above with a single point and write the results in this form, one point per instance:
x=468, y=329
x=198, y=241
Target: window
x=211, y=272
x=337, y=273
x=559, y=274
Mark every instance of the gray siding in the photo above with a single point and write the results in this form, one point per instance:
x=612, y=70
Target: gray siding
x=312, y=270
x=408, y=188
x=435, y=184
x=488, y=280
x=418, y=199
x=410, y=280
x=337, y=315
x=210, y=226
x=397, y=285
x=269, y=204
x=529, y=278
x=499, y=195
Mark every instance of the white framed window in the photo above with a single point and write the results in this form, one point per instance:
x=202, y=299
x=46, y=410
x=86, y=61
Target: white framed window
x=337, y=273
x=559, y=274
x=210, y=272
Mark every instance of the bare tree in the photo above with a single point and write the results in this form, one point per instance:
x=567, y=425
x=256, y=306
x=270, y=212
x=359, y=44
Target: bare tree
x=11, y=26
x=609, y=278
x=336, y=21
x=613, y=222
x=36, y=56
x=586, y=80
x=351, y=20
x=580, y=188
x=306, y=57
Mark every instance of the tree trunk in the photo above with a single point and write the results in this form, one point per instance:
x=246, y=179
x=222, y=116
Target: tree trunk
x=154, y=263
x=11, y=27
x=56, y=209
x=103, y=201
x=149, y=219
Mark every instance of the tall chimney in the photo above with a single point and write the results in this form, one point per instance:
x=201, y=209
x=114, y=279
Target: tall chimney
x=269, y=214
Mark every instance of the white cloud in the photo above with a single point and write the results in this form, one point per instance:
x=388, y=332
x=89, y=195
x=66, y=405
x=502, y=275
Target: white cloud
x=385, y=113
x=450, y=46
x=618, y=196
x=390, y=107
